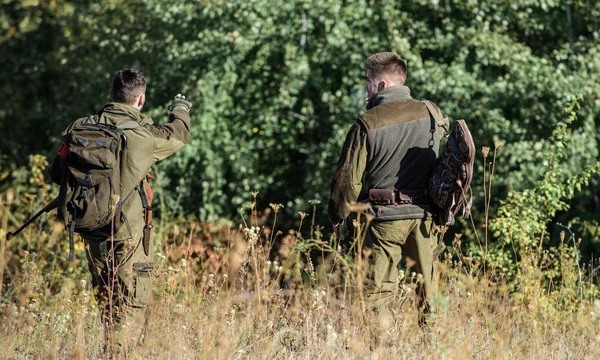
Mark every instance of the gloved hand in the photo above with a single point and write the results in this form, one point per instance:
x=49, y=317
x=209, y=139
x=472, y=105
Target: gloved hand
x=180, y=103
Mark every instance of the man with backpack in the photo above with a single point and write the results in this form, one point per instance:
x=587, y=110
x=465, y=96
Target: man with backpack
x=390, y=151
x=102, y=169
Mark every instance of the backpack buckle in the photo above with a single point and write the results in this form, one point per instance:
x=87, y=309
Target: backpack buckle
x=85, y=185
x=445, y=127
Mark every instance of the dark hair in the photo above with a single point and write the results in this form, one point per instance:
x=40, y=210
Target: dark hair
x=127, y=85
x=387, y=63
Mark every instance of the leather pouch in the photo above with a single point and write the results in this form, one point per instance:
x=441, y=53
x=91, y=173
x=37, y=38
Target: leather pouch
x=382, y=196
x=404, y=198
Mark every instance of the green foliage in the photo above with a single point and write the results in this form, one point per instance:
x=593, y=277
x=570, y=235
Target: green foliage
x=524, y=249
x=276, y=85
x=524, y=215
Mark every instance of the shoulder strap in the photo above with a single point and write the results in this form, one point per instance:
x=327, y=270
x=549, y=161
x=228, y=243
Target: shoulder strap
x=127, y=125
x=433, y=113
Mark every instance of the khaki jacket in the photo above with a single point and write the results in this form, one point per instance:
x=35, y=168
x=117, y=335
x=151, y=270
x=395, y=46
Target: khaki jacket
x=147, y=144
x=393, y=146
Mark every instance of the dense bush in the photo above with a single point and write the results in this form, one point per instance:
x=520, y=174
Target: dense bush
x=277, y=84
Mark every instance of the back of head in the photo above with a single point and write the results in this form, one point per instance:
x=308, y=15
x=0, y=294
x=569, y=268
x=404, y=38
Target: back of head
x=388, y=66
x=128, y=84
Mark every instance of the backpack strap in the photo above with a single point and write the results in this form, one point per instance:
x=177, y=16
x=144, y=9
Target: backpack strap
x=441, y=122
x=128, y=125
x=73, y=213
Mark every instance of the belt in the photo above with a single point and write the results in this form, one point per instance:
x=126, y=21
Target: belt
x=398, y=197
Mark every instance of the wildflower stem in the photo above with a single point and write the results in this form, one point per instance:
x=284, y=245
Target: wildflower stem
x=476, y=234
x=312, y=223
x=5, y=214
x=243, y=219
x=187, y=258
x=299, y=227
x=359, y=279
x=579, y=280
x=486, y=210
x=272, y=232
x=489, y=198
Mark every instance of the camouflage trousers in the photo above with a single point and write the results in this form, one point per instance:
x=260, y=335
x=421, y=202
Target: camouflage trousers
x=122, y=284
x=388, y=241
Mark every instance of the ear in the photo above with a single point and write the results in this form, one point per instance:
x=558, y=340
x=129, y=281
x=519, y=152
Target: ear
x=141, y=100
x=110, y=94
x=383, y=84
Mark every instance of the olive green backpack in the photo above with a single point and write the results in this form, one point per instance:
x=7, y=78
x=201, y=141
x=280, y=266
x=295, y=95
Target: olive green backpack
x=90, y=197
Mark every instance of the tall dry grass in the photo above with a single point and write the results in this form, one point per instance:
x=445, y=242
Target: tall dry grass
x=223, y=293
x=256, y=292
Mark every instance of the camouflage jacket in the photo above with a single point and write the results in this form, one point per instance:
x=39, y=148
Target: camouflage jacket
x=147, y=144
x=391, y=146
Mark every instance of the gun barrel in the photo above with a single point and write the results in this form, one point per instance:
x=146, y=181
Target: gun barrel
x=49, y=207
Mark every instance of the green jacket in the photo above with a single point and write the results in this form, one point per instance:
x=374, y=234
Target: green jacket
x=147, y=144
x=391, y=146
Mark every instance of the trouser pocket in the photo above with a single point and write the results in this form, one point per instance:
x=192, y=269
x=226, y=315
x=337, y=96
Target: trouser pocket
x=142, y=282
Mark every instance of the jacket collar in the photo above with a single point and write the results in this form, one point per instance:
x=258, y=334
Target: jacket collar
x=119, y=113
x=390, y=94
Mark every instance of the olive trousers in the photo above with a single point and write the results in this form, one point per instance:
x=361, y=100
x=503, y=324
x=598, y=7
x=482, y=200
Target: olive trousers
x=122, y=284
x=388, y=241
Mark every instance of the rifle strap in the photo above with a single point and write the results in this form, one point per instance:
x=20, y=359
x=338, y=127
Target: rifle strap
x=72, y=234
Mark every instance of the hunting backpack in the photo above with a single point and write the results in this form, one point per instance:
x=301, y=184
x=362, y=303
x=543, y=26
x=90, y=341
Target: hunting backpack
x=90, y=197
x=450, y=182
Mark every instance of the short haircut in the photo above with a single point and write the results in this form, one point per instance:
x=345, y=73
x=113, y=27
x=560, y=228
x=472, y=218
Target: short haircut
x=128, y=84
x=387, y=64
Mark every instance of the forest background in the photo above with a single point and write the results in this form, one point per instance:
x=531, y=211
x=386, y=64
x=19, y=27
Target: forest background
x=276, y=85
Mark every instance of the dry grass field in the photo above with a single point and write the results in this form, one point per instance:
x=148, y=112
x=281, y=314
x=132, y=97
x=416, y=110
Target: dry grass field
x=219, y=296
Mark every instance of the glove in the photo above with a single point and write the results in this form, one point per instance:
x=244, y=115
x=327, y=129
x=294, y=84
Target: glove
x=180, y=103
